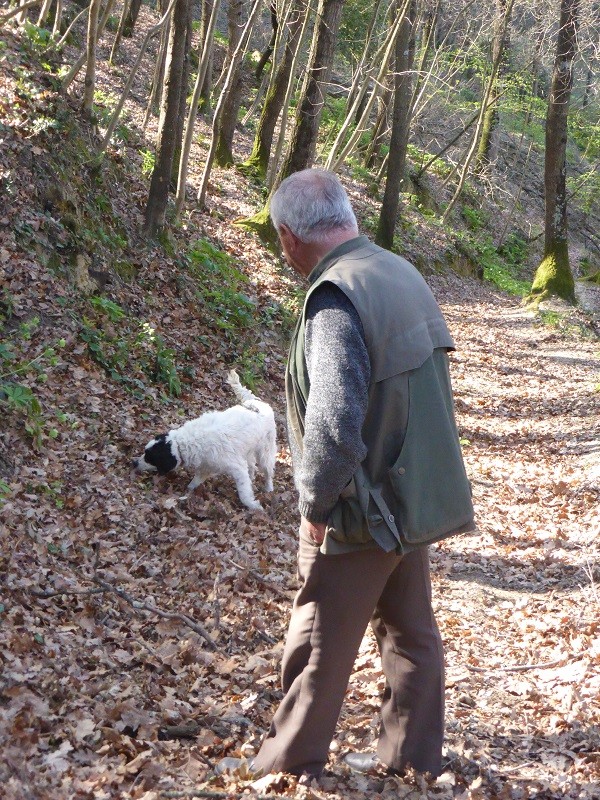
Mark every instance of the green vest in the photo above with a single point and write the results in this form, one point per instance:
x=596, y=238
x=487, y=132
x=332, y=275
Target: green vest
x=412, y=488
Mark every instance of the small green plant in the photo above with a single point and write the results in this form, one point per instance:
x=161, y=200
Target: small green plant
x=148, y=161
x=250, y=367
x=4, y=493
x=473, y=217
x=16, y=395
x=551, y=318
x=220, y=286
x=130, y=354
x=166, y=369
x=38, y=37
x=113, y=311
x=21, y=399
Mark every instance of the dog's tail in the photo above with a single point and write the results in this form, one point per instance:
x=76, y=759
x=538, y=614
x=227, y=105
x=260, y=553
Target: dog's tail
x=244, y=395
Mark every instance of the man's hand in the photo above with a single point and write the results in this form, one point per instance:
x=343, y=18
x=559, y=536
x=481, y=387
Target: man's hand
x=315, y=531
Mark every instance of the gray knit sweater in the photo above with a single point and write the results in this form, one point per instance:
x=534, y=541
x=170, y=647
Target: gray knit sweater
x=339, y=371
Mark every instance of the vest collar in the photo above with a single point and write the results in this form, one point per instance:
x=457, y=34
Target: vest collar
x=333, y=255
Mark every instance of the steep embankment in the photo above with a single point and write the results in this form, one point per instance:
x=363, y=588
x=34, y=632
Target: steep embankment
x=141, y=632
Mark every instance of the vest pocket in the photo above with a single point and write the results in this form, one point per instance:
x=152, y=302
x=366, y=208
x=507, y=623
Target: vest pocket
x=428, y=480
x=347, y=523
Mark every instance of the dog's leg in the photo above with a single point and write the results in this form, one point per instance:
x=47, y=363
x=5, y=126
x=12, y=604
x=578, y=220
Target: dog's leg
x=198, y=478
x=239, y=473
x=266, y=461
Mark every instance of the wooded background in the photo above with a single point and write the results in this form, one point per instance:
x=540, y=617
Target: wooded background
x=361, y=85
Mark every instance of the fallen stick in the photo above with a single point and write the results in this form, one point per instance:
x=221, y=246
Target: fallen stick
x=520, y=667
x=258, y=577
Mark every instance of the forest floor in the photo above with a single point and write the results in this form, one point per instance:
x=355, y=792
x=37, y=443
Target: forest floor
x=141, y=630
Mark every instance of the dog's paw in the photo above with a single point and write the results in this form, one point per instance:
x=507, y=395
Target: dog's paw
x=254, y=506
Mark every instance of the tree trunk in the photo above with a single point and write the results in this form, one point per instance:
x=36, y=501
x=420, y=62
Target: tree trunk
x=57, y=20
x=119, y=33
x=206, y=41
x=380, y=61
x=233, y=98
x=162, y=23
x=44, y=13
x=185, y=78
x=90, y=70
x=490, y=117
x=310, y=105
x=486, y=99
x=404, y=57
x=131, y=19
x=266, y=56
x=74, y=71
x=203, y=65
x=158, y=79
x=229, y=77
x=553, y=276
x=380, y=129
x=258, y=161
x=168, y=121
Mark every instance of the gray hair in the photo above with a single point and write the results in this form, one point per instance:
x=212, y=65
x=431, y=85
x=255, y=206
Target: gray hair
x=312, y=203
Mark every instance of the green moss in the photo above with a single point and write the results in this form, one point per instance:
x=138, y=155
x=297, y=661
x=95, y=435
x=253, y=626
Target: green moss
x=553, y=277
x=261, y=224
x=256, y=165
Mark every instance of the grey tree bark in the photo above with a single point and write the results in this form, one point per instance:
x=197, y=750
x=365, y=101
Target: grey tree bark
x=90, y=70
x=258, y=161
x=168, y=122
x=233, y=97
x=401, y=118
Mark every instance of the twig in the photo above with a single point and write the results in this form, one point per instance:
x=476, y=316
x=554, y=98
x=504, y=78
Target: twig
x=136, y=604
x=208, y=793
x=216, y=604
x=55, y=593
x=175, y=615
x=258, y=577
x=519, y=668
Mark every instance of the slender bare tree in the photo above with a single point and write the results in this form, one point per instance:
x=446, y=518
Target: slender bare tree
x=554, y=276
x=90, y=70
x=168, y=122
x=403, y=62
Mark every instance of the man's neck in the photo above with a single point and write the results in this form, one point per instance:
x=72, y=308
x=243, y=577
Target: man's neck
x=321, y=248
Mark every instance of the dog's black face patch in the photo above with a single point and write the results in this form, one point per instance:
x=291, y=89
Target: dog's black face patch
x=160, y=455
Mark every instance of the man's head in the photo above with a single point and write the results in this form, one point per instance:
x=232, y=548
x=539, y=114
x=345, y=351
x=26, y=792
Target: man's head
x=312, y=214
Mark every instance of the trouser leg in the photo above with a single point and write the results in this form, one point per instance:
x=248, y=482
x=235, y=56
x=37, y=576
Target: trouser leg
x=329, y=618
x=412, y=711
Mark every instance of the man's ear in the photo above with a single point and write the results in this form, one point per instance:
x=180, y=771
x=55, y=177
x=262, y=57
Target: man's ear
x=286, y=236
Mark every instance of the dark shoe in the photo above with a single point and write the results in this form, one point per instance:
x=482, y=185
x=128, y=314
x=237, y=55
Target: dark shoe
x=243, y=766
x=368, y=762
x=363, y=762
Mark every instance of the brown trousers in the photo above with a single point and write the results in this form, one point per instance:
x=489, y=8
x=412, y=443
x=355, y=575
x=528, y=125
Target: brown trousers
x=339, y=595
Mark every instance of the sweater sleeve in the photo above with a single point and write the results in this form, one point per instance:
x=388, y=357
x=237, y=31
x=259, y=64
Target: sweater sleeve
x=339, y=371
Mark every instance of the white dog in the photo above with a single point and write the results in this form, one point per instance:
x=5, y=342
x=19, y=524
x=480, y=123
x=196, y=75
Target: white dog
x=230, y=442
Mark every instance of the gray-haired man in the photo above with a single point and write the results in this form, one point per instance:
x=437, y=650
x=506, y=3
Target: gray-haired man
x=380, y=475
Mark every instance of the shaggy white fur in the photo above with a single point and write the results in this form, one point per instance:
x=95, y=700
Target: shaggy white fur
x=231, y=442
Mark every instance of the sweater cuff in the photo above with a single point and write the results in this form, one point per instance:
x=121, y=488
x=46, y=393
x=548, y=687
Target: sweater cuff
x=313, y=513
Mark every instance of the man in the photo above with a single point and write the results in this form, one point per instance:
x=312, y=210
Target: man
x=379, y=472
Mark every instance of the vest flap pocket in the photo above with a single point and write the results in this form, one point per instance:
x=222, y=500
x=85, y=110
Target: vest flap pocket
x=347, y=523
x=428, y=479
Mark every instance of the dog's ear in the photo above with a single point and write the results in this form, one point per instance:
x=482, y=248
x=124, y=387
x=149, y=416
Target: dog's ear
x=160, y=455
